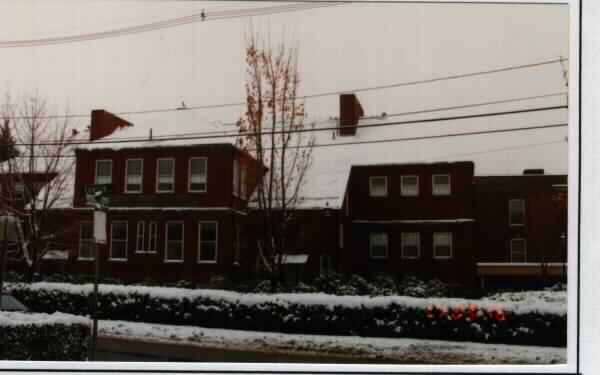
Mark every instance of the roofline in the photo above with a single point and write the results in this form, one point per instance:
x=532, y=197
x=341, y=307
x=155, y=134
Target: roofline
x=412, y=164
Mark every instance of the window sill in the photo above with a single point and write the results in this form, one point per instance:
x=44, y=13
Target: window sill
x=173, y=261
x=197, y=191
x=145, y=252
x=86, y=259
x=133, y=192
x=206, y=262
x=442, y=258
x=410, y=258
x=117, y=259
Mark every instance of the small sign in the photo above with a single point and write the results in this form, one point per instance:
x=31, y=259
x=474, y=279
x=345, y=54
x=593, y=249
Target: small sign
x=100, y=227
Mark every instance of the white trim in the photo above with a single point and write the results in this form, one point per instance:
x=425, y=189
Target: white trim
x=402, y=240
x=450, y=244
x=404, y=194
x=170, y=209
x=79, y=257
x=433, y=184
x=140, y=249
x=190, y=175
x=200, y=242
x=165, y=260
x=524, y=248
x=127, y=176
x=510, y=223
x=508, y=264
x=387, y=245
x=96, y=171
x=156, y=187
x=416, y=221
x=110, y=258
x=371, y=178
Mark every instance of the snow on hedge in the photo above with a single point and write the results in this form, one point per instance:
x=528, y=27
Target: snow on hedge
x=532, y=302
x=14, y=319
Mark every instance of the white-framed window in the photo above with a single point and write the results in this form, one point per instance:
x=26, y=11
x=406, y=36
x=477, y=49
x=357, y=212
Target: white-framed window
x=139, y=237
x=86, y=241
x=134, y=173
x=378, y=186
x=518, y=250
x=441, y=184
x=118, y=241
x=165, y=175
x=103, y=172
x=174, y=241
x=516, y=211
x=198, y=169
x=325, y=265
x=378, y=245
x=152, y=236
x=411, y=245
x=237, y=243
x=442, y=245
x=207, y=241
x=236, y=177
x=409, y=186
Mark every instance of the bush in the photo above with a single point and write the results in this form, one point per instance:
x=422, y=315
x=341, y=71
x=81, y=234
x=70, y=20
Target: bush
x=42, y=337
x=450, y=319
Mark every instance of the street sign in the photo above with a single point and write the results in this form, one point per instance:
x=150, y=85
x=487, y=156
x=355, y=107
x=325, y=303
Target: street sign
x=100, y=227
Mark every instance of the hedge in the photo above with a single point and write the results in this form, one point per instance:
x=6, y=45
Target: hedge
x=393, y=316
x=43, y=337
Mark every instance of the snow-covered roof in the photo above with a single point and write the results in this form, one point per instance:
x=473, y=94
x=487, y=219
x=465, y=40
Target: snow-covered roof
x=165, y=129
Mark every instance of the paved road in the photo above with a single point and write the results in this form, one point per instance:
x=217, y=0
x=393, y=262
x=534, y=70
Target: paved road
x=125, y=350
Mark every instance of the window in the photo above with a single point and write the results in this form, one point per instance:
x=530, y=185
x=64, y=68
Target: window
x=516, y=211
x=174, y=241
x=411, y=245
x=166, y=175
x=236, y=243
x=118, y=240
x=518, y=250
x=198, y=168
x=378, y=186
x=86, y=241
x=378, y=245
x=139, y=239
x=207, y=242
x=152, y=235
x=442, y=245
x=441, y=184
x=236, y=177
x=103, y=172
x=134, y=173
x=409, y=186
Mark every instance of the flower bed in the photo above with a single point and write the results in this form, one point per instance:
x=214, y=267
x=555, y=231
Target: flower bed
x=539, y=323
x=43, y=337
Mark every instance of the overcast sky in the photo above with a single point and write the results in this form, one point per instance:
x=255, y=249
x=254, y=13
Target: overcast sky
x=342, y=47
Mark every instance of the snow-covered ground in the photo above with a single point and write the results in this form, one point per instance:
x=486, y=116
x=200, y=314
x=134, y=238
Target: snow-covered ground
x=402, y=350
x=13, y=319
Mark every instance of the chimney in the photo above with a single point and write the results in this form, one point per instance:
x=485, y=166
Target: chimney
x=105, y=123
x=350, y=112
x=533, y=171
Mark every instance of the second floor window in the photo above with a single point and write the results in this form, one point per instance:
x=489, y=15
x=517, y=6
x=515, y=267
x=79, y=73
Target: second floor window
x=378, y=186
x=197, y=175
x=516, y=211
x=441, y=184
x=409, y=186
x=411, y=245
x=165, y=176
x=86, y=241
x=518, y=250
x=442, y=245
x=378, y=245
x=103, y=172
x=118, y=240
x=133, y=182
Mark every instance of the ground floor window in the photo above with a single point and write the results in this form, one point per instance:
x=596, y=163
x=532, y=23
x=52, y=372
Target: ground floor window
x=86, y=241
x=118, y=240
x=152, y=236
x=518, y=250
x=207, y=242
x=442, y=245
x=139, y=241
x=411, y=245
x=174, y=241
x=378, y=245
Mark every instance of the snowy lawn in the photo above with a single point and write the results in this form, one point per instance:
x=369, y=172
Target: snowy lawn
x=401, y=350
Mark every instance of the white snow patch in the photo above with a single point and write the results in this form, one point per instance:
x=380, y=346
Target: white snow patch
x=14, y=319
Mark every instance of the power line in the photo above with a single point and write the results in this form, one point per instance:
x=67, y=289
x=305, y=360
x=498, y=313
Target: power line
x=330, y=93
x=180, y=137
x=153, y=26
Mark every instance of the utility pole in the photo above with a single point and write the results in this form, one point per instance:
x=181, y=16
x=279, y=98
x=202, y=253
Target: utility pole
x=3, y=261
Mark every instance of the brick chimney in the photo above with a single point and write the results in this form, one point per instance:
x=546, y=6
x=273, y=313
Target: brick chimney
x=105, y=123
x=350, y=112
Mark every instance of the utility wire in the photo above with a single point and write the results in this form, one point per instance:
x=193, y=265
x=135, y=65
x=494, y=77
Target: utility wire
x=165, y=138
x=203, y=16
x=330, y=93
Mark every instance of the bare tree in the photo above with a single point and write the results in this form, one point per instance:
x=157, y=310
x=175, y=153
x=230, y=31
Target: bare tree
x=37, y=177
x=273, y=130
